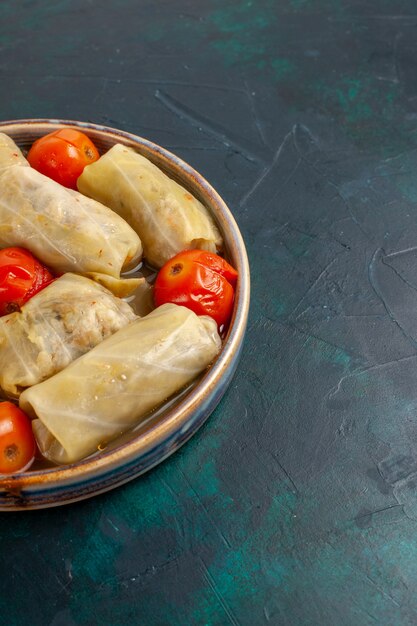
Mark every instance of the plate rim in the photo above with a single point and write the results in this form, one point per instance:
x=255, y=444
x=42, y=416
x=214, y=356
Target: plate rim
x=40, y=488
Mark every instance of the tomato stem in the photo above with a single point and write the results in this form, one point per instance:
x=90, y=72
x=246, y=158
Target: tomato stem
x=176, y=269
x=11, y=452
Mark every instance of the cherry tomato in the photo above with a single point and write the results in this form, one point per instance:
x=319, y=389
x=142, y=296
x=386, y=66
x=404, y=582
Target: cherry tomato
x=17, y=443
x=201, y=281
x=62, y=155
x=21, y=277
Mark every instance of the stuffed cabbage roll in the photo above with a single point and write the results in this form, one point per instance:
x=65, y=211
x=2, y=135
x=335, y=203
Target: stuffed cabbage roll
x=167, y=218
x=108, y=390
x=65, y=230
x=10, y=154
x=59, y=324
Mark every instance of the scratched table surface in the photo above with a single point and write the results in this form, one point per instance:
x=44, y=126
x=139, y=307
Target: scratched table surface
x=296, y=503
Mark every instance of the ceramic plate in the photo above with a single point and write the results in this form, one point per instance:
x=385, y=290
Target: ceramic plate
x=170, y=427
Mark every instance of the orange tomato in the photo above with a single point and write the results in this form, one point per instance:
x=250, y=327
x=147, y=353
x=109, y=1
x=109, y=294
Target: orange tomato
x=201, y=281
x=62, y=155
x=17, y=442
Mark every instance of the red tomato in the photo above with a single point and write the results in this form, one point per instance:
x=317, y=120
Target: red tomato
x=17, y=443
x=62, y=155
x=201, y=281
x=21, y=276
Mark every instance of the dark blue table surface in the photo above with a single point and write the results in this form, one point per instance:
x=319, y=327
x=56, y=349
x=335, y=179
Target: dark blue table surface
x=296, y=503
